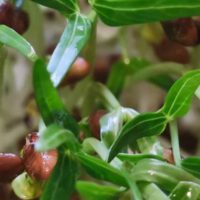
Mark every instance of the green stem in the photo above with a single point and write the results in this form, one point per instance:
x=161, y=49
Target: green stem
x=175, y=142
x=124, y=46
x=136, y=194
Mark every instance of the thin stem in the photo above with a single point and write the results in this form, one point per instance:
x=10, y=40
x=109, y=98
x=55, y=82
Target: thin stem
x=124, y=45
x=175, y=142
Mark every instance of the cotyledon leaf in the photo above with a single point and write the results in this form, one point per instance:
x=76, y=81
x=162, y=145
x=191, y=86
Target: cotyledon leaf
x=66, y=7
x=143, y=125
x=11, y=38
x=126, y=12
x=50, y=105
x=72, y=41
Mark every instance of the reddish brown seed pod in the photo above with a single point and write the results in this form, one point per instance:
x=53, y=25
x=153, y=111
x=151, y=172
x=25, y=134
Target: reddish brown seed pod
x=168, y=156
x=171, y=51
x=79, y=70
x=94, y=122
x=38, y=165
x=6, y=13
x=182, y=31
x=11, y=165
x=20, y=21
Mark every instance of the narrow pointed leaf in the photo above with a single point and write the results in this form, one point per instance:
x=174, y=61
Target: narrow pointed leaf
x=62, y=181
x=49, y=103
x=186, y=191
x=143, y=125
x=93, y=191
x=72, y=41
x=179, y=98
x=11, y=38
x=135, y=158
x=101, y=170
x=64, y=6
x=126, y=12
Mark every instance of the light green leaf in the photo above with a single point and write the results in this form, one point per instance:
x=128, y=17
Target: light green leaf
x=92, y=191
x=11, y=38
x=54, y=136
x=72, y=41
x=150, y=191
x=186, y=191
x=126, y=12
x=165, y=175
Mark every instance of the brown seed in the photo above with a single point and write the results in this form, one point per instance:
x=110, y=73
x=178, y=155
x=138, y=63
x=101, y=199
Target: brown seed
x=20, y=21
x=171, y=51
x=183, y=31
x=38, y=165
x=11, y=165
x=94, y=122
x=15, y=19
x=79, y=70
x=168, y=156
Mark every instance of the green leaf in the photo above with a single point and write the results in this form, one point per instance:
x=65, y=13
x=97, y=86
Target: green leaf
x=150, y=145
x=66, y=7
x=72, y=41
x=135, y=158
x=92, y=191
x=143, y=125
x=186, y=191
x=165, y=175
x=11, y=38
x=54, y=136
x=150, y=191
x=62, y=181
x=192, y=165
x=111, y=123
x=48, y=100
x=179, y=98
x=126, y=12
x=101, y=170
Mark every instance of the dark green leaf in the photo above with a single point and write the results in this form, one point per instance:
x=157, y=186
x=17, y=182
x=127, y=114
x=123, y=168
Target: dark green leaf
x=92, y=191
x=135, y=158
x=48, y=100
x=12, y=39
x=143, y=125
x=126, y=12
x=179, y=98
x=62, y=181
x=54, y=136
x=186, y=191
x=101, y=170
x=64, y=6
x=165, y=175
x=192, y=164
x=72, y=41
